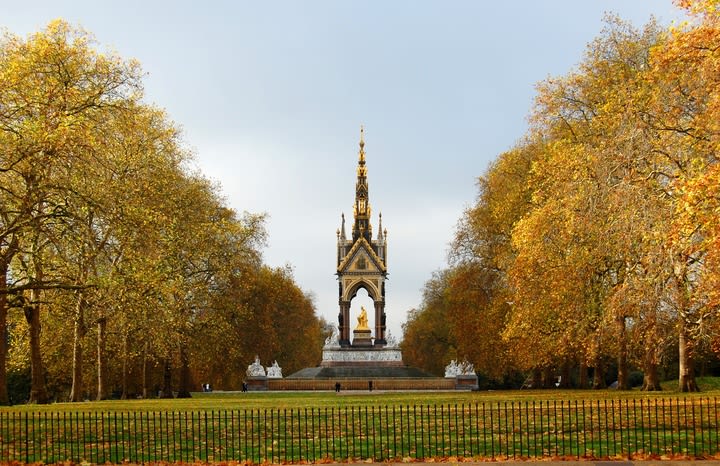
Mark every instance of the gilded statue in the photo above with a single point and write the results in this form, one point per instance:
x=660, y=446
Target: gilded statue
x=362, y=320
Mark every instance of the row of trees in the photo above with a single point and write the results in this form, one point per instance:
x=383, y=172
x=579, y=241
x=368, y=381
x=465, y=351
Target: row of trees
x=118, y=261
x=596, y=239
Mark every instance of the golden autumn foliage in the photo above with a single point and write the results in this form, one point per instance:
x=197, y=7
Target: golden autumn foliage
x=604, y=251
x=112, y=251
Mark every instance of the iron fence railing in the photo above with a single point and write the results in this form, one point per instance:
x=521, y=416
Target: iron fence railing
x=589, y=429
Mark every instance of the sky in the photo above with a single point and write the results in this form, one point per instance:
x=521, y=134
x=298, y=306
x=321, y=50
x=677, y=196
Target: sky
x=271, y=96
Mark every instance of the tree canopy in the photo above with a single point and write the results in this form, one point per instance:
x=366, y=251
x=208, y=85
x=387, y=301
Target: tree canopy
x=112, y=245
x=593, y=243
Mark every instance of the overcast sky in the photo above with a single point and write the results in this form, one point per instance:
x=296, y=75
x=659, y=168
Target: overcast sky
x=271, y=96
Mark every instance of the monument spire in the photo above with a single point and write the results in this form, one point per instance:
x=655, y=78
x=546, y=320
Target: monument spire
x=380, y=232
x=362, y=145
x=361, y=263
x=361, y=209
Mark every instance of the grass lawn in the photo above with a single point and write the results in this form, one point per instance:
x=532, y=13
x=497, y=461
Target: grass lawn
x=710, y=387
x=280, y=427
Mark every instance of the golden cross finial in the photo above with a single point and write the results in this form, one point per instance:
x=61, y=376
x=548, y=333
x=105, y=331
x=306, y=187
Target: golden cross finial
x=362, y=144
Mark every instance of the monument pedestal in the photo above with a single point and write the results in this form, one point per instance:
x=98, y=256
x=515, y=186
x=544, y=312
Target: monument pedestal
x=362, y=338
x=354, y=357
x=355, y=366
x=257, y=383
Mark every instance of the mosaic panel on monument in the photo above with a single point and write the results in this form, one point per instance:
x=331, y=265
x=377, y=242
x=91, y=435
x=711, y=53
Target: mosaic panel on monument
x=334, y=357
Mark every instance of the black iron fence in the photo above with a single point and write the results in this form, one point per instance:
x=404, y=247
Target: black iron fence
x=589, y=429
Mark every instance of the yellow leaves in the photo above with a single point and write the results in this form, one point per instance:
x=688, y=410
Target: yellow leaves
x=102, y=181
x=710, y=9
x=619, y=173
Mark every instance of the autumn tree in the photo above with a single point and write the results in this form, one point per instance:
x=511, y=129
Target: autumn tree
x=55, y=92
x=469, y=301
x=588, y=204
x=614, y=240
x=478, y=291
x=683, y=112
x=110, y=240
x=257, y=311
x=427, y=339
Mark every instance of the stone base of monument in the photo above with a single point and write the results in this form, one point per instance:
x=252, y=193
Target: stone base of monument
x=363, y=364
x=362, y=338
x=466, y=382
x=257, y=384
x=353, y=367
x=370, y=357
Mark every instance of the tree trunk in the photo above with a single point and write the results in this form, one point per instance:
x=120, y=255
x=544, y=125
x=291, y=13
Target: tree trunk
x=4, y=398
x=79, y=330
x=38, y=392
x=184, y=388
x=537, y=378
x=167, y=381
x=565, y=374
x=622, y=377
x=583, y=376
x=599, y=375
x=144, y=371
x=101, y=363
x=125, y=356
x=687, y=367
x=651, y=378
x=548, y=380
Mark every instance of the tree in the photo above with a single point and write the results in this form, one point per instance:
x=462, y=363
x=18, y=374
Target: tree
x=607, y=231
x=108, y=239
x=55, y=90
x=684, y=112
x=478, y=292
x=428, y=342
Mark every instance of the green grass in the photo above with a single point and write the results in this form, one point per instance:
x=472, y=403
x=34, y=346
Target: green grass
x=328, y=399
x=312, y=426
x=708, y=385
